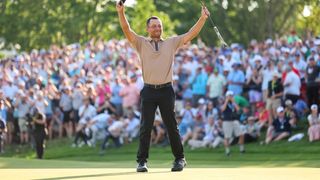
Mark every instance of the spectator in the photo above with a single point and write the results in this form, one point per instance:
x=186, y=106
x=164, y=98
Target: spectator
x=231, y=123
x=116, y=99
x=114, y=131
x=314, y=124
x=291, y=85
x=203, y=136
x=130, y=94
x=86, y=113
x=4, y=105
x=280, y=128
x=252, y=130
x=291, y=113
x=131, y=128
x=97, y=126
x=66, y=107
x=56, y=124
x=199, y=86
x=77, y=102
x=211, y=111
x=312, y=78
x=158, y=133
x=215, y=86
x=267, y=76
x=218, y=134
x=23, y=108
x=2, y=134
x=275, y=93
x=262, y=115
x=236, y=79
x=254, y=85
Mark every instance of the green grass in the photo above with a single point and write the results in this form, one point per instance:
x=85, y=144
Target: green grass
x=59, y=154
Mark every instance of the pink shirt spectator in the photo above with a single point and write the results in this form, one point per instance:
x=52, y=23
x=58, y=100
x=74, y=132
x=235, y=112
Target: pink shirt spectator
x=130, y=94
x=102, y=93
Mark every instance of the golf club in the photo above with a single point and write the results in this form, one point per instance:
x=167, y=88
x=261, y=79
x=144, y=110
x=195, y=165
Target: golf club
x=216, y=29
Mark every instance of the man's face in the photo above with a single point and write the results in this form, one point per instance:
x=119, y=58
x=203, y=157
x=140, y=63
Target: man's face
x=281, y=114
x=155, y=28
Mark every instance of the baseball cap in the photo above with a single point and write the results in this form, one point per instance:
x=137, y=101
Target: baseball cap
x=314, y=107
x=280, y=109
x=260, y=104
x=288, y=102
x=229, y=93
x=201, y=101
x=276, y=74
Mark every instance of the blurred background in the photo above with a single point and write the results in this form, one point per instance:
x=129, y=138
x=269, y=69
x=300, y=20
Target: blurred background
x=27, y=24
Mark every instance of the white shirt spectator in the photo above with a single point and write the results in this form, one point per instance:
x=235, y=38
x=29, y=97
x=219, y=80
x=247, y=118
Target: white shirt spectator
x=132, y=128
x=23, y=109
x=41, y=106
x=65, y=102
x=216, y=84
x=86, y=113
x=227, y=64
x=77, y=99
x=132, y=124
x=266, y=77
x=292, y=84
x=100, y=120
x=10, y=91
x=115, y=129
x=301, y=65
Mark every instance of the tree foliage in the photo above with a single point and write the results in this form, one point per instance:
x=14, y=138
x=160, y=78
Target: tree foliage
x=40, y=23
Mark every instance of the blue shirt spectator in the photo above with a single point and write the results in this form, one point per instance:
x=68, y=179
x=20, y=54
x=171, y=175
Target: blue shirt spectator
x=199, y=82
x=236, y=80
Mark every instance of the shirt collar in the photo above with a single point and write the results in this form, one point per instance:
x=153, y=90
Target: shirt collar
x=150, y=39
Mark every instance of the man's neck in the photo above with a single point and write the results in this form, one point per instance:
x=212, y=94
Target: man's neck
x=155, y=39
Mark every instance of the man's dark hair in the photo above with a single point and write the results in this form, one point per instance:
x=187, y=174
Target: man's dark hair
x=149, y=19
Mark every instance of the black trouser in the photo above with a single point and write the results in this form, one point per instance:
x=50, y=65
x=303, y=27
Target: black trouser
x=248, y=138
x=1, y=142
x=116, y=141
x=80, y=134
x=150, y=99
x=39, y=141
x=312, y=94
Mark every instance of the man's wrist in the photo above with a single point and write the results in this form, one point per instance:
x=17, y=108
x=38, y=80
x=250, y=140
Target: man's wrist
x=204, y=17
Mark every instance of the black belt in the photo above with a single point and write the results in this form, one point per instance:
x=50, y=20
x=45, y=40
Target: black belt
x=158, y=86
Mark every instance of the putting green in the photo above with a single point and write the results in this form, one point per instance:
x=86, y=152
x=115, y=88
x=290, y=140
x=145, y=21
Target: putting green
x=164, y=174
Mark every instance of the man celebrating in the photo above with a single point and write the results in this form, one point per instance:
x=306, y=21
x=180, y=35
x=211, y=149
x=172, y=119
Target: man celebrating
x=156, y=57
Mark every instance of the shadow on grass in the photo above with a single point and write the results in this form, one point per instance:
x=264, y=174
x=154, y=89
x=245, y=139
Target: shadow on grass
x=101, y=175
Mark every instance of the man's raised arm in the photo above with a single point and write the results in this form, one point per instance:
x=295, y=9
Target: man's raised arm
x=194, y=31
x=130, y=35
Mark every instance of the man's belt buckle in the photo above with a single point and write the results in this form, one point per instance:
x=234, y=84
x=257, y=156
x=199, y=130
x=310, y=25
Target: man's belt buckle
x=157, y=86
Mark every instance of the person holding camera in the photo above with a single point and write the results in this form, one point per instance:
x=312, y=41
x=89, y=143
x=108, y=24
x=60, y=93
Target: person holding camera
x=39, y=131
x=231, y=125
x=23, y=106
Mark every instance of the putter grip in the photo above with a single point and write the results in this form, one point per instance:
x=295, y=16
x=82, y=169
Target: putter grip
x=121, y=2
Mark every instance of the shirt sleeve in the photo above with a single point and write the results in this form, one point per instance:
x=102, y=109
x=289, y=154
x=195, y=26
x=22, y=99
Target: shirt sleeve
x=136, y=44
x=177, y=41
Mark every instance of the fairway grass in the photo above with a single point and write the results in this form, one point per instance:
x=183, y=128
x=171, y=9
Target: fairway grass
x=59, y=154
x=281, y=160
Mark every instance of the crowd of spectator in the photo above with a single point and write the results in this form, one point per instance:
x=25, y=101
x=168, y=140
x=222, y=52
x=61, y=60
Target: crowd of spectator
x=90, y=93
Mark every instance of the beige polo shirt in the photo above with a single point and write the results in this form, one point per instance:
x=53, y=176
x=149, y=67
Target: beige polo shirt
x=157, y=65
